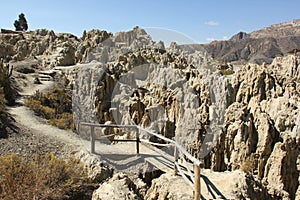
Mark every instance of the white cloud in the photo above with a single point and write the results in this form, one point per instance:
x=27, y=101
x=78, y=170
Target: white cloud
x=225, y=38
x=210, y=39
x=212, y=23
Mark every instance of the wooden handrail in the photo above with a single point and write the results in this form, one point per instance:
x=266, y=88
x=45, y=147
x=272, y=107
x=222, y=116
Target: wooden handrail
x=156, y=144
x=156, y=134
x=107, y=125
x=195, y=181
x=187, y=167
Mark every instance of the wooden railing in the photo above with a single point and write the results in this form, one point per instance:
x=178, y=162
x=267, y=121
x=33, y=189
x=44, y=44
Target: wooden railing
x=191, y=176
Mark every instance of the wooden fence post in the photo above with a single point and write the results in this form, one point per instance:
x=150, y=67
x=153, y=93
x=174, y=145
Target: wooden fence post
x=137, y=135
x=92, y=139
x=197, y=186
x=175, y=160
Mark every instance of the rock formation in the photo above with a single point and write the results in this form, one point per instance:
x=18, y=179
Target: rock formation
x=120, y=186
x=168, y=187
x=263, y=122
x=254, y=111
x=52, y=49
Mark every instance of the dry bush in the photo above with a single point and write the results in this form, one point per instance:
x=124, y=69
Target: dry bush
x=248, y=165
x=3, y=115
x=56, y=106
x=46, y=177
x=226, y=72
x=65, y=121
x=44, y=111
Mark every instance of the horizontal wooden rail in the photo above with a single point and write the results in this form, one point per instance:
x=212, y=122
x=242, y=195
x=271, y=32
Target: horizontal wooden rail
x=155, y=144
x=187, y=168
x=123, y=140
x=107, y=125
x=156, y=134
x=184, y=175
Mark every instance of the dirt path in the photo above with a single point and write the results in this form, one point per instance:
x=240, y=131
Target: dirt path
x=26, y=117
x=33, y=135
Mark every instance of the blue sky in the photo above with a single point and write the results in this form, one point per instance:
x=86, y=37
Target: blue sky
x=202, y=21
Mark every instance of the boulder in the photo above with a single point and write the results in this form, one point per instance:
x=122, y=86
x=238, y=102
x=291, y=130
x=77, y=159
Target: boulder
x=169, y=187
x=120, y=186
x=97, y=171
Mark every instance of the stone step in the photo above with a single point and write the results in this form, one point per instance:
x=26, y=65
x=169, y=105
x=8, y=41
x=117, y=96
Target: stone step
x=48, y=73
x=44, y=79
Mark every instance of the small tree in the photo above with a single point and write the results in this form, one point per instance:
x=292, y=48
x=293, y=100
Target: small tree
x=21, y=23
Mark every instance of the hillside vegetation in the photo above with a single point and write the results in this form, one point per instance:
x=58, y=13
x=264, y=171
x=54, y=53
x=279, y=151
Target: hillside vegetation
x=7, y=96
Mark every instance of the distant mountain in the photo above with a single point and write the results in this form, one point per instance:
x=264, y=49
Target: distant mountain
x=259, y=46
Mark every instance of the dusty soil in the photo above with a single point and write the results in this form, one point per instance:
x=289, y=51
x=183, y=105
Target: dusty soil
x=22, y=141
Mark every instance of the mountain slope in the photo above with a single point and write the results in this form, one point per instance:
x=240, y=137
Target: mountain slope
x=259, y=46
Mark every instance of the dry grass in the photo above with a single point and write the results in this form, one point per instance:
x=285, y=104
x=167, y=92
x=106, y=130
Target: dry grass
x=63, y=121
x=226, y=72
x=55, y=106
x=39, y=109
x=46, y=177
x=248, y=165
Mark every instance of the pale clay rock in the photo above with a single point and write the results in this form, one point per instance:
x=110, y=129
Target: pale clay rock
x=255, y=121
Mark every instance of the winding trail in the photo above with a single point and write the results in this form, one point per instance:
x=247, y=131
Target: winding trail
x=26, y=117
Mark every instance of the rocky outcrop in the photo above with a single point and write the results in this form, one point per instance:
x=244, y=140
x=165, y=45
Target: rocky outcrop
x=97, y=171
x=248, y=120
x=279, y=30
x=52, y=49
x=263, y=124
x=169, y=187
x=85, y=79
x=120, y=186
x=214, y=185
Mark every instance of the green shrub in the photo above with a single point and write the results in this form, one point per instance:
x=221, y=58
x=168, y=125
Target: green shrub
x=21, y=24
x=226, y=72
x=46, y=177
x=5, y=84
x=7, y=96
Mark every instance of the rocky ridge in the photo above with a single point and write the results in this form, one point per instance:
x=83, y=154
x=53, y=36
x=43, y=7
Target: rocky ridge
x=259, y=46
x=50, y=49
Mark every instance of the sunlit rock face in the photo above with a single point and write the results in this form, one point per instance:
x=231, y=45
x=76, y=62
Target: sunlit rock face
x=225, y=120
